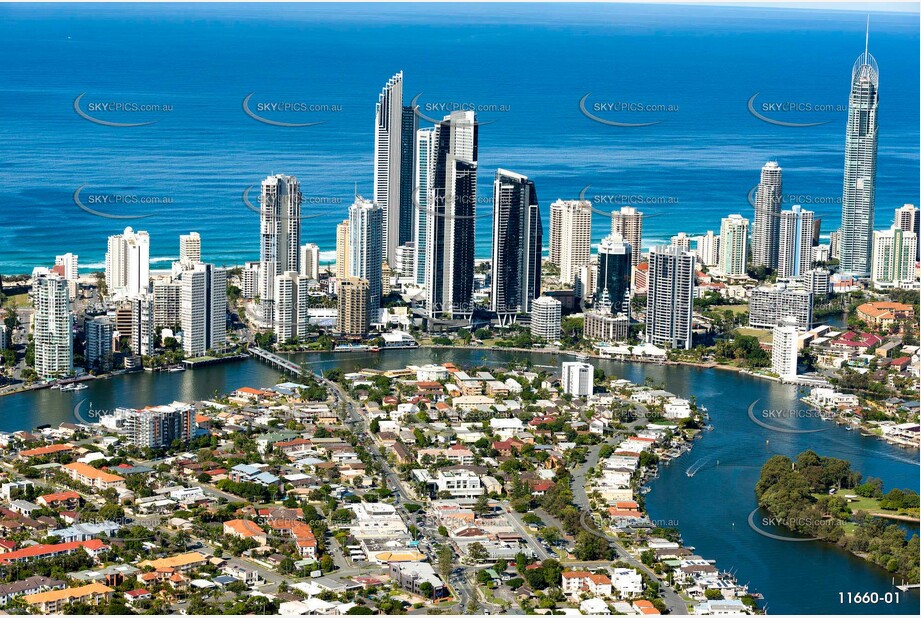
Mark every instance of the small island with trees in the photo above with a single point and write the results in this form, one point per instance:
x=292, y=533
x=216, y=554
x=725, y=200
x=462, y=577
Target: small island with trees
x=822, y=497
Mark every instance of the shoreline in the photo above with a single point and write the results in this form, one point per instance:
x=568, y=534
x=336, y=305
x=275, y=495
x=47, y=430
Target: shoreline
x=648, y=480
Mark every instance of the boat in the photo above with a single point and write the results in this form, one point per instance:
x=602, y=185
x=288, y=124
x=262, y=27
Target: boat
x=56, y=387
x=79, y=387
x=176, y=369
x=68, y=387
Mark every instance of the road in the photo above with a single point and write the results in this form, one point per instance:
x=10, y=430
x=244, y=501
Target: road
x=460, y=579
x=521, y=527
x=673, y=600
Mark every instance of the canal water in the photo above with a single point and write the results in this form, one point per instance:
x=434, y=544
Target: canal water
x=711, y=505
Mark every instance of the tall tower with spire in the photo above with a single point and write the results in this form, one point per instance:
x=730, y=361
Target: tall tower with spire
x=858, y=196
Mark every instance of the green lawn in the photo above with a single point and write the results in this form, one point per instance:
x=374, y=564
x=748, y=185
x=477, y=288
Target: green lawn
x=761, y=334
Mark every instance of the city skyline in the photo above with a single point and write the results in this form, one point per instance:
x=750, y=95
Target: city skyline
x=497, y=353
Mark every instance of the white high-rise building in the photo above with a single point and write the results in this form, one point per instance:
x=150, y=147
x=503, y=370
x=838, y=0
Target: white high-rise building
x=128, y=264
x=670, y=297
x=767, y=213
x=310, y=261
x=394, y=136
x=578, y=379
x=546, y=317
x=771, y=303
x=707, y=249
x=817, y=281
x=859, y=192
x=583, y=287
x=682, y=241
x=342, y=250
x=189, y=248
x=628, y=224
x=795, y=254
x=143, y=333
x=894, y=252
x=365, y=249
x=908, y=219
x=70, y=263
x=98, y=349
x=167, y=297
x=423, y=179
x=280, y=236
x=249, y=280
x=204, y=308
x=734, y=245
x=570, y=237
x=784, y=346
x=406, y=260
x=53, y=332
x=291, y=306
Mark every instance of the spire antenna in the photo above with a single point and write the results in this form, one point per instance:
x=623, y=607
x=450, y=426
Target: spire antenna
x=866, y=50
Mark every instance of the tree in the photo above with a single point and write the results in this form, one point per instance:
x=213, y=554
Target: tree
x=427, y=589
x=551, y=534
x=445, y=561
x=482, y=505
x=591, y=547
x=477, y=553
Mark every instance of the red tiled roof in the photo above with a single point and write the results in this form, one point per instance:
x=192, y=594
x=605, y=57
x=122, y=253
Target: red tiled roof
x=38, y=551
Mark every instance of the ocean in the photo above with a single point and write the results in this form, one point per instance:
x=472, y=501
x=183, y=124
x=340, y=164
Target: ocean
x=187, y=69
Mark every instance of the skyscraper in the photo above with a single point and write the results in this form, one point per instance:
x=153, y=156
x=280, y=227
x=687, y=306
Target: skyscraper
x=394, y=141
x=352, y=319
x=670, y=298
x=894, y=252
x=408, y=130
x=128, y=264
x=578, y=379
x=98, y=349
x=167, y=296
x=53, y=335
x=143, y=333
x=291, y=306
x=628, y=224
x=516, y=244
x=204, y=308
x=190, y=248
x=451, y=218
x=858, y=196
x=707, y=249
x=908, y=219
x=682, y=241
x=342, y=250
x=570, y=237
x=734, y=245
x=769, y=304
x=280, y=236
x=365, y=252
x=546, y=317
x=794, y=257
x=310, y=261
x=423, y=178
x=69, y=262
x=784, y=347
x=614, y=272
x=767, y=212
